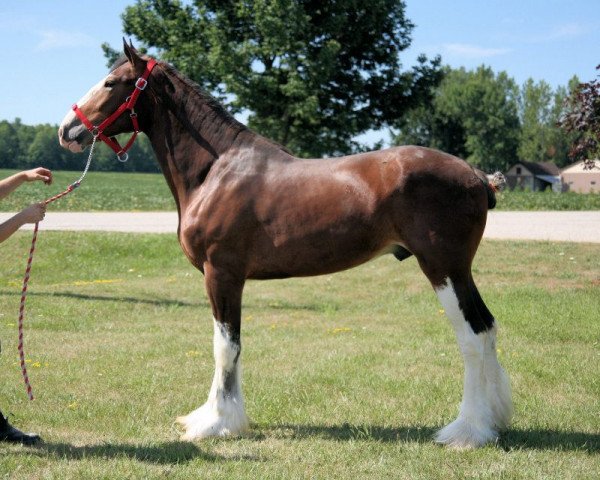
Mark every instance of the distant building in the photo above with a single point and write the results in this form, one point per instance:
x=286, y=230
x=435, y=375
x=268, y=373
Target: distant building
x=576, y=179
x=533, y=176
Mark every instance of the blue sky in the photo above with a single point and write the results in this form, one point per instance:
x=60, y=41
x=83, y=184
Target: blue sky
x=51, y=49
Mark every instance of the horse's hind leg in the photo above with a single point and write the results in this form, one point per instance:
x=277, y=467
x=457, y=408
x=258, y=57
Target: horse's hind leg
x=223, y=414
x=486, y=407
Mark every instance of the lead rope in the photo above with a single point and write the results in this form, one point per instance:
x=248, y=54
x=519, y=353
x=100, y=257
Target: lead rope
x=68, y=190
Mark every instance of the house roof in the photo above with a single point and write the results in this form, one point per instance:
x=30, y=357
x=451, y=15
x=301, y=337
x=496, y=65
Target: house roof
x=541, y=168
x=577, y=167
x=549, y=178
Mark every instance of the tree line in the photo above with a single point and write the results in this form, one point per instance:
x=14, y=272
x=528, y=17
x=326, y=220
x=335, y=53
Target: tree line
x=315, y=75
x=487, y=119
x=27, y=146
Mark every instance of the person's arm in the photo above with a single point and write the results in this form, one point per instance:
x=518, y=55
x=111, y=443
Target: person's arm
x=8, y=185
x=32, y=214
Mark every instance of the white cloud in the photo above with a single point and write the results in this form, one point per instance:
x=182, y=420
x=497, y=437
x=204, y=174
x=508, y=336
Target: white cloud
x=567, y=30
x=473, y=51
x=53, y=39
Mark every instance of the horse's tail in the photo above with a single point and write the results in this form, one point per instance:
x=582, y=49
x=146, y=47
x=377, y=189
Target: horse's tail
x=493, y=185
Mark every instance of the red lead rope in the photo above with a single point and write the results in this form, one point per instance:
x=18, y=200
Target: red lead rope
x=97, y=132
x=68, y=190
x=24, y=291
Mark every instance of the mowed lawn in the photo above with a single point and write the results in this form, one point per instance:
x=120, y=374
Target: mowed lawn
x=345, y=376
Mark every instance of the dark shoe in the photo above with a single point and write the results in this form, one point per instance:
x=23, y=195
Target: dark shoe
x=14, y=435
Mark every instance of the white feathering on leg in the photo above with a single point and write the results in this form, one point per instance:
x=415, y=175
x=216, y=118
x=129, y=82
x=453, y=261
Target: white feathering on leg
x=486, y=406
x=223, y=414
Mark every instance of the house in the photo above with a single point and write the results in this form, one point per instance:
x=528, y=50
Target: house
x=576, y=179
x=533, y=176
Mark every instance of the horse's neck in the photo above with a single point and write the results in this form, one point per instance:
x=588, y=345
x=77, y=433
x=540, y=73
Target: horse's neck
x=189, y=133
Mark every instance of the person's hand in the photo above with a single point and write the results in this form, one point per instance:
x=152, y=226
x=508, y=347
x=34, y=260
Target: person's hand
x=39, y=173
x=34, y=213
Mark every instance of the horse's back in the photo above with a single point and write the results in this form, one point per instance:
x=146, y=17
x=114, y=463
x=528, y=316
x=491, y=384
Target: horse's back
x=394, y=168
x=412, y=180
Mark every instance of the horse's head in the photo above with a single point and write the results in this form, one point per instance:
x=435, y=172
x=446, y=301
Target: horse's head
x=102, y=101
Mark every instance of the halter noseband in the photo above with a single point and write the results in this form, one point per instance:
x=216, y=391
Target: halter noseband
x=128, y=104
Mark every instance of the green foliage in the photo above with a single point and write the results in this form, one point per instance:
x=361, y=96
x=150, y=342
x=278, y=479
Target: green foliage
x=25, y=146
x=541, y=138
x=473, y=115
x=547, y=200
x=582, y=120
x=100, y=191
x=485, y=102
x=9, y=145
x=535, y=120
x=312, y=74
x=486, y=119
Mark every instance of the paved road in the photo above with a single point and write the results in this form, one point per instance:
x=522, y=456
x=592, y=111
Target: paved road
x=559, y=226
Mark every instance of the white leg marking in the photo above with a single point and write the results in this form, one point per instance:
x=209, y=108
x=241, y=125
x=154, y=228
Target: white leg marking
x=486, y=406
x=223, y=414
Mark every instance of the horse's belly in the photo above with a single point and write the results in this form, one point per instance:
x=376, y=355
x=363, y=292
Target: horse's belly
x=317, y=254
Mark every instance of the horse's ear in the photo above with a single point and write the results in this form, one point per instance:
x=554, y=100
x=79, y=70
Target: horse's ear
x=132, y=55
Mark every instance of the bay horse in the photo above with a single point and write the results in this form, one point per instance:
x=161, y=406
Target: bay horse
x=249, y=209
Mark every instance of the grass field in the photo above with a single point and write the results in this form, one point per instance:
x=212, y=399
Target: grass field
x=345, y=376
x=149, y=192
x=99, y=191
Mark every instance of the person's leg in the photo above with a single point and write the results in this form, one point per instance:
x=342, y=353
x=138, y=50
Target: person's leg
x=8, y=433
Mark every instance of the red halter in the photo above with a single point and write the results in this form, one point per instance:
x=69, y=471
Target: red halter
x=128, y=104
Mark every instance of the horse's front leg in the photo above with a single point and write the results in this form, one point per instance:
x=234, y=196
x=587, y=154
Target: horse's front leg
x=223, y=414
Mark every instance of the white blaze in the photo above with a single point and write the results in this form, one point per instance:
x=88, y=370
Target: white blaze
x=70, y=116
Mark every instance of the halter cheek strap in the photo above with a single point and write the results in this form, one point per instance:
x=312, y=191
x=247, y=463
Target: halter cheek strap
x=128, y=104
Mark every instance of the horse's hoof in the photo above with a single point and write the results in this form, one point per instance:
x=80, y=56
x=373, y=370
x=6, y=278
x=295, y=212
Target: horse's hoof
x=463, y=435
x=205, y=422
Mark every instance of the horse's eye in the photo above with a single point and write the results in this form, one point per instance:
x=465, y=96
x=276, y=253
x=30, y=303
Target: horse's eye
x=109, y=83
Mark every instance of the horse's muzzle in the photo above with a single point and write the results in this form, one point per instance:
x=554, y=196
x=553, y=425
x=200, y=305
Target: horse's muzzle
x=74, y=138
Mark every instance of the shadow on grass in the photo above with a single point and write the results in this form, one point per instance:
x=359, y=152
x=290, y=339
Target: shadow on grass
x=511, y=440
x=279, y=305
x=536, y=439
x=80, y=296
x=348, y=432
x=163, y=453
x=285, y=305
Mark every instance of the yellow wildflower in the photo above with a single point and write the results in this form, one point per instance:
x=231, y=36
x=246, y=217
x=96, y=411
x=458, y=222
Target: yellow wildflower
x=340, y=330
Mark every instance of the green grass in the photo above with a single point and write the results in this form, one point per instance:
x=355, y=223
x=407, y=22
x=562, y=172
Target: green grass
x=104, y=191
x=99, y=191
x=547, y=200
x=345, y=375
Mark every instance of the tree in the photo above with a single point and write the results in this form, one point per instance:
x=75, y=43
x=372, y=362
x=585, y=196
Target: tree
x=541, y=140
x=582, y=119
x=44, y=149
x=25, y=146
x=427, y=125
x=535, y=110
x=473, y=115
x=312, y=74
x=9, y=145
